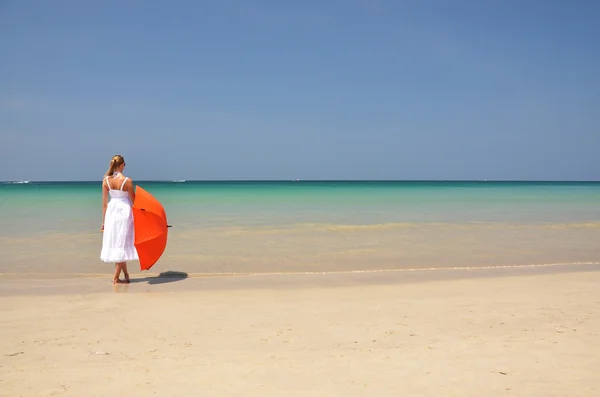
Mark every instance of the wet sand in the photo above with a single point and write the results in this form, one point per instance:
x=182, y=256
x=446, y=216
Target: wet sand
x=317, y=248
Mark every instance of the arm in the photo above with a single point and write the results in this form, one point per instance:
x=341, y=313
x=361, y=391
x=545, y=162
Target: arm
x=104, y=202
x=130, y=190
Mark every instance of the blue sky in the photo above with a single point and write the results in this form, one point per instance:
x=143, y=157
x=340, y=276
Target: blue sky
x=353, y=89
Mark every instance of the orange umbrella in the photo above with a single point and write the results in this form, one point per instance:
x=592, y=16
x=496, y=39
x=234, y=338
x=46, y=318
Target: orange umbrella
x=150, y=226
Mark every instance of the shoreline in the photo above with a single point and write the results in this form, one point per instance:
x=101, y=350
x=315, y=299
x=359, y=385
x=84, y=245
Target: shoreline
x=173, y=281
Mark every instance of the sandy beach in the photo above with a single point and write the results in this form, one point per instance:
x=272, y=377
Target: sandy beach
x=526, y=335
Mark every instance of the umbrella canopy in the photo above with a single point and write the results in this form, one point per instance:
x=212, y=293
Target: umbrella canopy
x=150, y=226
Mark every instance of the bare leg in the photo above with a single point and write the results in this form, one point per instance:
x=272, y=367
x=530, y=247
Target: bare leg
x=118, y=268
x=124, y=267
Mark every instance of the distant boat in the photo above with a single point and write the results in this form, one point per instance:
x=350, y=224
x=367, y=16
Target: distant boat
x=19, y=182
x=178, y=180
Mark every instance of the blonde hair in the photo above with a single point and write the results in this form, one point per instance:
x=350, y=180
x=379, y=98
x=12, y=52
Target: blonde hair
x=115, y=162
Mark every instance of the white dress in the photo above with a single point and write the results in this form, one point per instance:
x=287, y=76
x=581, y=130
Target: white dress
x=117, y=240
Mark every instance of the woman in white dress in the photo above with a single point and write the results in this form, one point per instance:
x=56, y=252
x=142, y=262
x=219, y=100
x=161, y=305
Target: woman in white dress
x=117, y=219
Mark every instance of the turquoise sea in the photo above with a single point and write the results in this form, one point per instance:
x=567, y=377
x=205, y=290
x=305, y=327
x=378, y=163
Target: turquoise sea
x=52, y=228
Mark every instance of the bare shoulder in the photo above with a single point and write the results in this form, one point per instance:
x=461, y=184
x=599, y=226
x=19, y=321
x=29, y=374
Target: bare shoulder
x=129, y=183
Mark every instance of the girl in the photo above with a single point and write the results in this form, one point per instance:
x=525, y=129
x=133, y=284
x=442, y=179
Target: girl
x=117, y=219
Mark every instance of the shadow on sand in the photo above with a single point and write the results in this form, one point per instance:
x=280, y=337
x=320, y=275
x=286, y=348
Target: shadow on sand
x=165, y=277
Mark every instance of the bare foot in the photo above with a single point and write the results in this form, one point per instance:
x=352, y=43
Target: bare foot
x=118, y=281
x=127, y=278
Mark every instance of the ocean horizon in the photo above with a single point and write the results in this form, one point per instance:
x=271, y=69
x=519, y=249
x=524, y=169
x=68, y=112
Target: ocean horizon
x=319, y=180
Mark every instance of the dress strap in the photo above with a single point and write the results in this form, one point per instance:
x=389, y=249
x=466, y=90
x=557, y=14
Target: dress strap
x=107, y=184
x=123, y=184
